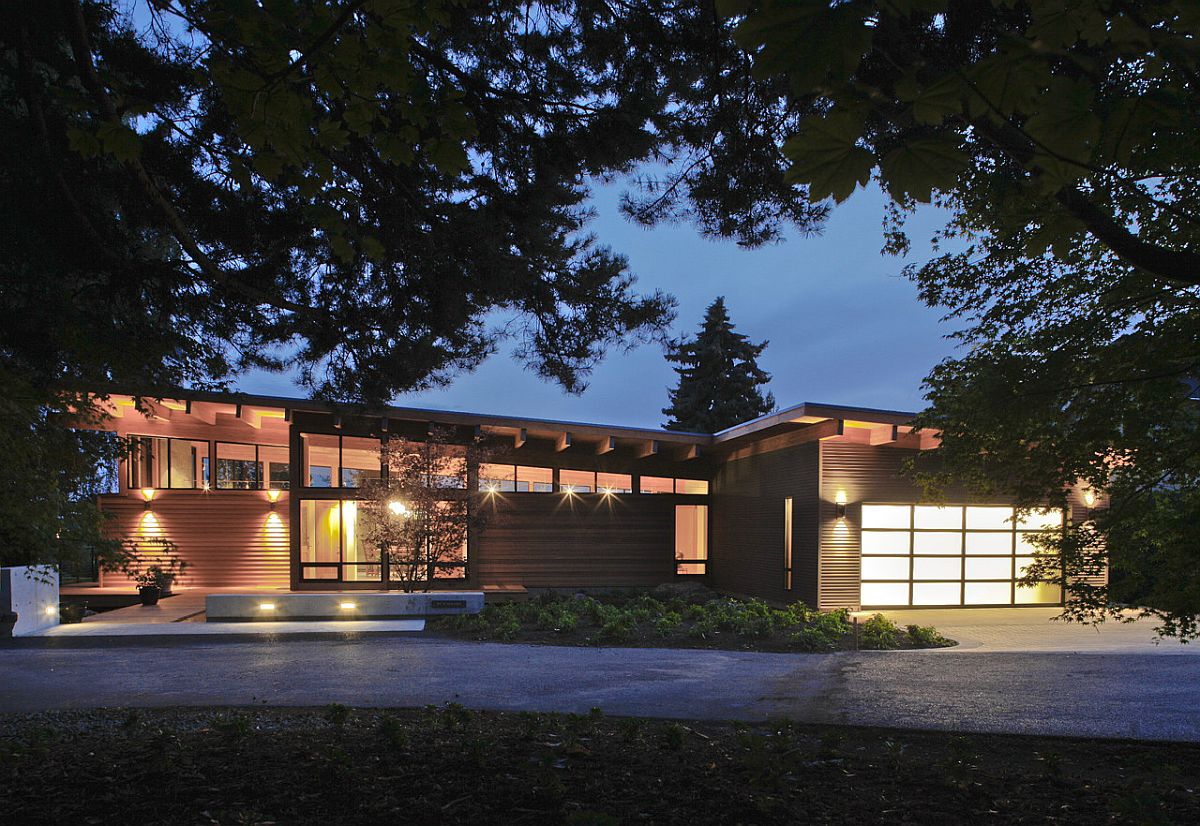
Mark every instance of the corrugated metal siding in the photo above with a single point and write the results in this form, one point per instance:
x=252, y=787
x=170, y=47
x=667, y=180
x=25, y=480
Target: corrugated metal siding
x=748, y=521
x=552, y=541
x=230, y=539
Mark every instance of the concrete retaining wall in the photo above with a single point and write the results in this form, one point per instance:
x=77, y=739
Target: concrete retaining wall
x=345, y=606
x=31, y=593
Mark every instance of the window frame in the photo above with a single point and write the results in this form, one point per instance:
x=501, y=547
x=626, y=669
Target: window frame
x=677, y=561
x=263, y=476
x=134, y=471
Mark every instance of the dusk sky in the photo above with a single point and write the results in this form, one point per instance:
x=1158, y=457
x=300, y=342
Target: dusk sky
x=844, y=326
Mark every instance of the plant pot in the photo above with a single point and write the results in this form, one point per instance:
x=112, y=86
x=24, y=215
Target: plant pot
x=8, y=621
x=73, y=612
x=150, y=594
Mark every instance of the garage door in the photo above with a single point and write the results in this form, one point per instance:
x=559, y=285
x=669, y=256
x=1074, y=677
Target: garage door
x=944, y=556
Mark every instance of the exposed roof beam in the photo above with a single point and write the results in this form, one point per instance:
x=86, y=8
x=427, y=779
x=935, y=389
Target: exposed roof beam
x=687, y=453
x=648, y=448
x=521, y=437
x=606, y=445
x=563, y=442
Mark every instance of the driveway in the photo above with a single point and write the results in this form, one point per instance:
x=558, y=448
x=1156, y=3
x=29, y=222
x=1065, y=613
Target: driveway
x=1057, y=690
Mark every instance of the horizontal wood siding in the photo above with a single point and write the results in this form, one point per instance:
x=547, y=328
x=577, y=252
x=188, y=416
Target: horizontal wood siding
x=553, y=541
x=864, y=473
x=746, y=548
x=230, y=539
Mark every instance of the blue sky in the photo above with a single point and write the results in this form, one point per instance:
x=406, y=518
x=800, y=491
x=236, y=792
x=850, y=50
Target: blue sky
x=844, y=325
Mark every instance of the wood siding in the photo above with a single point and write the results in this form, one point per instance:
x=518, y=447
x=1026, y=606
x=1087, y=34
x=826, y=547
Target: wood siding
x=547, y=540
x=864, y=473
x=230, y=539
x=746, y=548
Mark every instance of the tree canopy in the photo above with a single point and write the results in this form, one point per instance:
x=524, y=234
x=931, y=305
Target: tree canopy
x=719, y=377
x=376, y=193
x=1060, y=135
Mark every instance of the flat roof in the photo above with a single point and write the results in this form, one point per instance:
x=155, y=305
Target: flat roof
x=808, y=412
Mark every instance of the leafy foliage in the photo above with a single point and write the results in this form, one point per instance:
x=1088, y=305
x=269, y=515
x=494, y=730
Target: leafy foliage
x=1060, y=135
x=719, y=377
x=704, y=621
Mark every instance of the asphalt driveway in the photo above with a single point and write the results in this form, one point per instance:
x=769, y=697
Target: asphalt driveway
x=1129, y=689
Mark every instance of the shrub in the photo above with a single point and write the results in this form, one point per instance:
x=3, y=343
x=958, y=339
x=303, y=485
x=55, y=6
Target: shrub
x=618, y=627
x=880, y=633
x=755, y=625
x=667, y=623
x=703, y=628
x=925, y=636
x=507, y=628
x=797, y=614
x=813, y=639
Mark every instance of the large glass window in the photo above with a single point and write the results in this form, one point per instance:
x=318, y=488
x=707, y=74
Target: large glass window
x=957, y=555
x=497, y=478
x=577, y=481
x=535, y=479
x=332, y=461
x=699, y=486
x=160, y=462
x=251, y=467
x=691, y=539
x=656, y=484
x=614, y=483
x=787, y=543
x=331, y=546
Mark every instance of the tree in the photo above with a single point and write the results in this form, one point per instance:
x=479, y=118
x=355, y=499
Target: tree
x=719, y=377
x=422, y=512
x=1060, y=135
x=351, y=188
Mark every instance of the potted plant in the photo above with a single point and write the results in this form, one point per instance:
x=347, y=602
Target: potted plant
x=153, y=564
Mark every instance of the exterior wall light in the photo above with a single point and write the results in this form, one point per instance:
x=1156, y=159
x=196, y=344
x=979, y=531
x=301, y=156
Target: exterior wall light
x=148, y=495
x=839, y=504
x=273, y=497
x=398, y=508
x=569, y=490
x=348, y=606
x=1089, y=497
x=607, y=491
x=266, y=606
x=51, y=610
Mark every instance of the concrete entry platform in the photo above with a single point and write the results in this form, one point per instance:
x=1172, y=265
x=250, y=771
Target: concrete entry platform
x=339, y=606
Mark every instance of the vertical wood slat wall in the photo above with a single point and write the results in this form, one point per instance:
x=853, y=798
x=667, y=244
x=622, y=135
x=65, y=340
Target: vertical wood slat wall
x=747, y=548
x=230, y=539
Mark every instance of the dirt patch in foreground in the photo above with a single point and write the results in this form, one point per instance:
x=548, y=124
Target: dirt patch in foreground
x=451, y=765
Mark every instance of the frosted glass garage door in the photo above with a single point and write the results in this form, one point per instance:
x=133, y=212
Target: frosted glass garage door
x=932, y=556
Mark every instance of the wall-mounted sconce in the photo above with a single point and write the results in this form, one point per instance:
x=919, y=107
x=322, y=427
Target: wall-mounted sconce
x=273, y=496
x=839, y=504
x=398, y=508
x=1089, y=497
x=148, y=496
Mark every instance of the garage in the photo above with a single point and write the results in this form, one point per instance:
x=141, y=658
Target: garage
x=959, y=555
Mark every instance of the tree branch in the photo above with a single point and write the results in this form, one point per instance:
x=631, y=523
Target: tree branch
x=1180, y=267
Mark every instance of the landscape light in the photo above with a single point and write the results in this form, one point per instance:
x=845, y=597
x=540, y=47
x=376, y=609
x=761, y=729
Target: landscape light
x=607, y=491
x=266, y=606
x=51, y=610
x=348, y=606
x=568, y=489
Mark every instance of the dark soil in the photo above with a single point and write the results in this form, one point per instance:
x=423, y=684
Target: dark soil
x=451, y=765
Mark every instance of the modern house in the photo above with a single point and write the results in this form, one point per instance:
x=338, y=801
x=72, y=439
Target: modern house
x=808, y=503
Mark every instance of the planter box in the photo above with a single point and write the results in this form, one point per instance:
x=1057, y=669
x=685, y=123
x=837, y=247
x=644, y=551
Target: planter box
x=32, y=594
x=348, y=605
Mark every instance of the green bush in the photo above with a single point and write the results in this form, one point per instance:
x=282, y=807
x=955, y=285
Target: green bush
x=508, y=628
x=667, y=624
x=618, y=628
x=703, y=628
x=813, y=638
x=880, y=633
x=925, y=636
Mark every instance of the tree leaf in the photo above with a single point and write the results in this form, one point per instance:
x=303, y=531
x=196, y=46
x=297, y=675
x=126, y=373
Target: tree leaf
x=1065, y=123
x=827, y=157
x=938, y=100
x=118, y=140
x=921, y=166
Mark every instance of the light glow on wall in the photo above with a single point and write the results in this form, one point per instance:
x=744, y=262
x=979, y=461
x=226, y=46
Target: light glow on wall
x=266, y=606
x=348, y=606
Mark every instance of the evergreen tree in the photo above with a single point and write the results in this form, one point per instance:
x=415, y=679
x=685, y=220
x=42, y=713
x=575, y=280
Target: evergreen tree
x=719, y=377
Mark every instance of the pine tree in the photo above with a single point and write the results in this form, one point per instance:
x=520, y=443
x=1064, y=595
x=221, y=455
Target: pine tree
x=719, y=377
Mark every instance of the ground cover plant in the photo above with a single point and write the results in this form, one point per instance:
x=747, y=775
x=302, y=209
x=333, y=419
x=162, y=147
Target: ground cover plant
x=452, y=765
x=688, y=619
